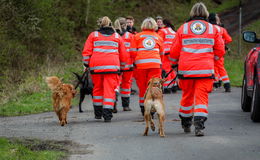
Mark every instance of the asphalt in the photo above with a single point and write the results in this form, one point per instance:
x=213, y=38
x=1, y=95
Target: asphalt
x=229, y=133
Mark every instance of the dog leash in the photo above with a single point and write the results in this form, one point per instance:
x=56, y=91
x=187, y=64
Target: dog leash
x=168, y=73
x=172, y=81
x=173, y=78
x=86, y=71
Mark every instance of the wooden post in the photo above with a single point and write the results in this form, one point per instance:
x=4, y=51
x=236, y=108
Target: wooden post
x=240, y=28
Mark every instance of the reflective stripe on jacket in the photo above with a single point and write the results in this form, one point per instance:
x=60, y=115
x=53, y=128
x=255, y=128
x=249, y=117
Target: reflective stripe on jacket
x=224, y=34
x=127, y=38
x=104, y=53
x=194, y=48
x=167, y=35
x=147, y=50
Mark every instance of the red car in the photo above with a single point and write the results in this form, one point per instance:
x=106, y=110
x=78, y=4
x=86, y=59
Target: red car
x=250, y=98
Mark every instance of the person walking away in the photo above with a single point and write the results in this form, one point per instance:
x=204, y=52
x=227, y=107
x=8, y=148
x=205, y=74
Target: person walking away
x=147, y=52
x=126, y=76
x=196, y=44
x=103, y=54
x=168, y=34
x=219, y=63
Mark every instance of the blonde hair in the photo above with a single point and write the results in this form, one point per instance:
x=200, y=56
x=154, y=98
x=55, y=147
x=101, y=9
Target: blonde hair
x=120, y=23
x=199, y=10
x=106, y=22
x=149, y=24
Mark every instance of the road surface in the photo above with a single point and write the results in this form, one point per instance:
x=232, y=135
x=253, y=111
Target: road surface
x=229, y=132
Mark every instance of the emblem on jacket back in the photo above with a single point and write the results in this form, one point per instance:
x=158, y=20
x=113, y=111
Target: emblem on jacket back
x=198, y=27
x=149, y=43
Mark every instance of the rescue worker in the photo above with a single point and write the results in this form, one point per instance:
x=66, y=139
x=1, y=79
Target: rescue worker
x=103, y=53
x=130, y=25
x=126, y=77
x=168, y=34
x=219, y=64
x=196, y=44
x=159, y=21
x=147, y=51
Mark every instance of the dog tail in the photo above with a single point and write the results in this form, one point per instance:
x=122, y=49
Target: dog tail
x=53, y=82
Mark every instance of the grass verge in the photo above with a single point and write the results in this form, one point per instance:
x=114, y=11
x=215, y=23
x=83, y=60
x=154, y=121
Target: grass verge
x=14, y=149
x=33, y=96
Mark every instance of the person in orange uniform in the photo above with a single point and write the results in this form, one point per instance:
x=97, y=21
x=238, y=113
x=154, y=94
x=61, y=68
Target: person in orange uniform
x=159, y=21
x=168, y=34
x=147, y=51
x=126, y=77
x=219, y=64
x=196, y=44
x=103, y=54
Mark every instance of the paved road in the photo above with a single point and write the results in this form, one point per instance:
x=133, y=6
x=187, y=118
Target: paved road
x=230, y=134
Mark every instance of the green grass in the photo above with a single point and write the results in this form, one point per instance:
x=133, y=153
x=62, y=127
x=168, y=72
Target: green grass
x=27, y=104
x=33, y=96
x=235, y=69
x=16, y=151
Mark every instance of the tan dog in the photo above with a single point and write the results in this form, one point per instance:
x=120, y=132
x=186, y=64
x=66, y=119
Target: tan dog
x=62, y=95
x=153, y=102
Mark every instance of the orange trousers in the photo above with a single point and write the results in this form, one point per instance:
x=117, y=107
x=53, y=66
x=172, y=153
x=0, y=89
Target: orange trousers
x=104, y=89
x=220, y=71
x=126, y=82
x=142, y=77
x=194, y=101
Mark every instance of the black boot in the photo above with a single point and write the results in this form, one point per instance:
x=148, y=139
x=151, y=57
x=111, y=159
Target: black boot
x=133, y=92
x=125, y=103
x=115, y=104
x=174, y=89
x=219, y=83
x=186, y=123
x=107, y=114
x=98, y=110
x=216, y=84
x=227, y=87
x=166, y=91
x=142, y=110
x=199, y=125
x=115, y=107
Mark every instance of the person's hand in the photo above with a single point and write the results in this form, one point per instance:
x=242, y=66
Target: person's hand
x=85, y=67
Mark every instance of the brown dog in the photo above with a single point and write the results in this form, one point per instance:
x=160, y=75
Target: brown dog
x=62, y=95
x=153, y=102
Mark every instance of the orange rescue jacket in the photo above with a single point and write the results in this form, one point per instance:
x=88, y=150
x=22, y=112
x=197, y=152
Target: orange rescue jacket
x=104, y=53
x=194, y=47
x=167, y=35
x=127, y=38
x=147, y=50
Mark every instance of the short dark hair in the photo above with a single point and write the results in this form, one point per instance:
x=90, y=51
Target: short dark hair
x=212, y=18
x=168, y=23
x=129, y=17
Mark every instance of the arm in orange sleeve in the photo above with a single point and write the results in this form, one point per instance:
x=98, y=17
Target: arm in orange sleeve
x=88, y=49
x=161, y=51
x=227, y=38
x=161, y=34
x=123, y=54
x=133, y=48
x=176, y=49
x=219, y=46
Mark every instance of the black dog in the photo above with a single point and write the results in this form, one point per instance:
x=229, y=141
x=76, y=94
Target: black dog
x=86, y=87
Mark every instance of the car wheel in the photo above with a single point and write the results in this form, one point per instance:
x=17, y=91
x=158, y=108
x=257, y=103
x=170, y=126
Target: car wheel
x=245, y=99
x=255, y=106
